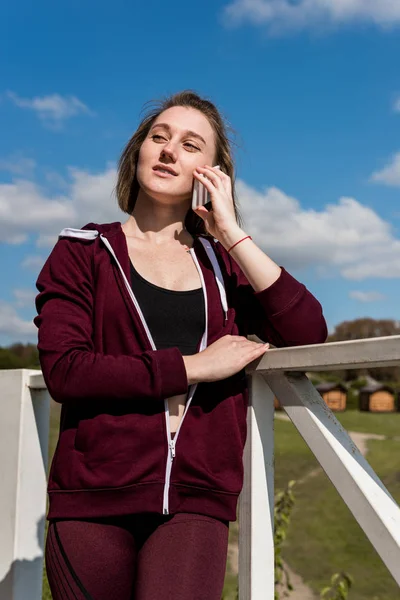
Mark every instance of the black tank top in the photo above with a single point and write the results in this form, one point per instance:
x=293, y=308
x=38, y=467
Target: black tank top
x=174, y=318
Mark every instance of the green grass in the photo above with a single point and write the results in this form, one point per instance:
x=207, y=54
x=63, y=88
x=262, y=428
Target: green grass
x=53, y=436
x=231, y=580
x=55, y=410
x=365, y=422
x=324, y=537
x=46, y=595
x=293, y=458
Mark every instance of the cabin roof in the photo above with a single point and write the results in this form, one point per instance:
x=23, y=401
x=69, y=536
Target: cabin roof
x=328, y=386
x=376, y=387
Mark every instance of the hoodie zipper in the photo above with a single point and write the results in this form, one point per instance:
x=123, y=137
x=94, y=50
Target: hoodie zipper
x=192, y=389
x=203, y=344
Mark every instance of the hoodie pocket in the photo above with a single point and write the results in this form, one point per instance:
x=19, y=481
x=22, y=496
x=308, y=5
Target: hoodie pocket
x=121, y=450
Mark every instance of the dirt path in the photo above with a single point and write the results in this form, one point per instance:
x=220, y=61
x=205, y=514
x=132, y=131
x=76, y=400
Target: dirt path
x=301, y=591
x=360, y=440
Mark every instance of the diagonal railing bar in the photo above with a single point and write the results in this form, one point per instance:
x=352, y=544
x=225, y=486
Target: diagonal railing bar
x=366, y=496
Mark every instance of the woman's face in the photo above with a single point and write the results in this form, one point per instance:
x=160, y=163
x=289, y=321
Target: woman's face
x=179, y=140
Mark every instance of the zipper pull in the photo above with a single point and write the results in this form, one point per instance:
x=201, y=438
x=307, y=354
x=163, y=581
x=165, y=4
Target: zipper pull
x=172, y=449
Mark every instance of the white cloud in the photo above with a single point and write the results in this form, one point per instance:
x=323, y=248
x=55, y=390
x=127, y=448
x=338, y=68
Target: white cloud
x=33, y=262
x=55, y=179
x=346, y=237
x=26, y=209
x=46, y=240
x=53, y=109
x=12, y=325
x=366, y=296
x=18, y=165
x=396, y=104
x=24, y=297
x=389, y=175
x=290, y=15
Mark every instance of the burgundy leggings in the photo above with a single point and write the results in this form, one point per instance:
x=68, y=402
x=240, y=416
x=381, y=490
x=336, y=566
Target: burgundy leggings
x=138, y=557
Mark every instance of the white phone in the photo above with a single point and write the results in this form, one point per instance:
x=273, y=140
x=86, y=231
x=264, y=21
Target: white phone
x=200, y=195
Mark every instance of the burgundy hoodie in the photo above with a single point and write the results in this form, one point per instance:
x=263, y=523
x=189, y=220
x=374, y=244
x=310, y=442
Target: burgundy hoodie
x=115, y=455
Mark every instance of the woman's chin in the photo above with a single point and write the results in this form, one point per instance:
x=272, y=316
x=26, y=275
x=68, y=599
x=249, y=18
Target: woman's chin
x=163, y=192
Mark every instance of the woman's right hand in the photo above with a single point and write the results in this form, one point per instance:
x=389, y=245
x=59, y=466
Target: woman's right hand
x=225, y=357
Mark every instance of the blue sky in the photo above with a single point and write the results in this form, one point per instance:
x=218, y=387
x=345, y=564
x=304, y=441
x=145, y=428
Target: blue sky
x=312, y=90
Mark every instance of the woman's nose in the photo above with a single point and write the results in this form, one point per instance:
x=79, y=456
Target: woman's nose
x=169, y=151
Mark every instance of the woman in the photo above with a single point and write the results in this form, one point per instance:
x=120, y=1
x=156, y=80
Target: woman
x=142, y=339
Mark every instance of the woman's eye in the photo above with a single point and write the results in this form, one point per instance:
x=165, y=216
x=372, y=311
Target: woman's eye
x=192, y=146
x=159, y=138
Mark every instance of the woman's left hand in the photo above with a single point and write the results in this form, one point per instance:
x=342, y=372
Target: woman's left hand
x=221, y=219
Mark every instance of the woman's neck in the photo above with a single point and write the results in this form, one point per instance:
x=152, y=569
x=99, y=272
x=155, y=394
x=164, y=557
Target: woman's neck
x=157, y=224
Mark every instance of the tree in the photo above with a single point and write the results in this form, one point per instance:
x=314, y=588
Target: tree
x=19, y=356
x=367, y=327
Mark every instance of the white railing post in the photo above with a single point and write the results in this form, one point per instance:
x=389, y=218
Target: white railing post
x=256, y=506
x=24, y=433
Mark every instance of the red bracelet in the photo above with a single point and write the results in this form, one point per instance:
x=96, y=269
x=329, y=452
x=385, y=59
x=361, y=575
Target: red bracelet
x=245, y=238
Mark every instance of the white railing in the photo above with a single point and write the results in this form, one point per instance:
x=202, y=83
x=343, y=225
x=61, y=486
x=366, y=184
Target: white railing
x=280, y=373
x=24, y=434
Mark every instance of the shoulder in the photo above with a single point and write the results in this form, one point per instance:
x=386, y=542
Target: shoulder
x=72, y=259
x=79, y=240
x=73, y=249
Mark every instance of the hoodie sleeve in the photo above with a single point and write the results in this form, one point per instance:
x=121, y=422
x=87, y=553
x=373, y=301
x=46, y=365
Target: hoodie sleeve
x=284, y=314
x=71, y=368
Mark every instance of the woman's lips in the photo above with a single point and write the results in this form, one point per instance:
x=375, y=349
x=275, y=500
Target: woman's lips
x=163, y=173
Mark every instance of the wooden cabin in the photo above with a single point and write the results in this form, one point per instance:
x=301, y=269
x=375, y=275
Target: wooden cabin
x=377, y=397
x=334, y=394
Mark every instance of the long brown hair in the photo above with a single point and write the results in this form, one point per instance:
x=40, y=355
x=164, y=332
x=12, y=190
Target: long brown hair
x=127, y=187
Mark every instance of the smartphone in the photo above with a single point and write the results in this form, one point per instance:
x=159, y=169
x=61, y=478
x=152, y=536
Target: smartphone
x=200, y=195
